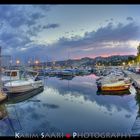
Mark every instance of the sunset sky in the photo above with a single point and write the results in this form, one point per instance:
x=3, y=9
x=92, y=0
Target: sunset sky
x=59, y=32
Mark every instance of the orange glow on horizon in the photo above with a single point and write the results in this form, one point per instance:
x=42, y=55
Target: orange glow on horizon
x=104, y=55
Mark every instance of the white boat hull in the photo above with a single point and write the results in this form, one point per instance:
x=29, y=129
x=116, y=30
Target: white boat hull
x=23, y=88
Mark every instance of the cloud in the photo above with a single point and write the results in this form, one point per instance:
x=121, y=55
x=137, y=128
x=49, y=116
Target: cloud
x=42, y=7
x=107, y=40
x=129, y=18
x=119, y=33
x=49, y=26
x=34, y=30
x=17, y=16
x=20, y=26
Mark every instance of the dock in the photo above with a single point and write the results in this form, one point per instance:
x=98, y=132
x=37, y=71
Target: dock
x=135, y=131
x=135, y=77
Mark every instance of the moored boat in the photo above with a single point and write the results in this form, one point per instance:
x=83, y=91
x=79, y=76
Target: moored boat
x=23, y=85
x=65, y=73
x=117, y=86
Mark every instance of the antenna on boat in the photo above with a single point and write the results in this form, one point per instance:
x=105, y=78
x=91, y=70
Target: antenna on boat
x=0, y=66
x=0, y=70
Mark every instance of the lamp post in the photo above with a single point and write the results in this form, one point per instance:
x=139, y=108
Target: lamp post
x=133, y=62
x=123, y=63
x=36, y=63
x=17, y=62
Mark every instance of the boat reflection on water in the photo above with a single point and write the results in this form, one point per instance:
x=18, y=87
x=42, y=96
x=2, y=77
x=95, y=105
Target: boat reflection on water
x=65, y=77
x=116, y=93
x=3, y=112
x=15, y=98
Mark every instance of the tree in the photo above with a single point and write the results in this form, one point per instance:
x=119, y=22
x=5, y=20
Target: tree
x=138, y=49
x=138, y=54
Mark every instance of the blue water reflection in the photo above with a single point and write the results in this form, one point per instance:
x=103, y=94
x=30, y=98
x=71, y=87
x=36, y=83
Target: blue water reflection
x=67, y=106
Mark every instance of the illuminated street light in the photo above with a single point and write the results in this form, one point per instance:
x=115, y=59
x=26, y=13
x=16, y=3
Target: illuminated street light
x=124, y=63
x=129, y=64
x=17, y=62
x=36, y=62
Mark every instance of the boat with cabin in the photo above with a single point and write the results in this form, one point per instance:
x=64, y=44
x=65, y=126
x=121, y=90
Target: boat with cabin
x=28, y=81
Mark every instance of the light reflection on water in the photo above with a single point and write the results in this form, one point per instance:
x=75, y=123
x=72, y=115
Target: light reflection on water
x=68, y=106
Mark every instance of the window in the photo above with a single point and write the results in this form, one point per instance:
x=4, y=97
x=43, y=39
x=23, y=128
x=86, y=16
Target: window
x=14, y=73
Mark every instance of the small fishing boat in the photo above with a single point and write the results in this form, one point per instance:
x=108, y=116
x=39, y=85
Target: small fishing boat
x=84, y=72
x=116, y=86
x=25, y=84
x=66, y=72
x=112, y=79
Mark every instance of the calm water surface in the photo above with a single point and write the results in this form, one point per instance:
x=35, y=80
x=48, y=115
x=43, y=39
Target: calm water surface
x=69, y=106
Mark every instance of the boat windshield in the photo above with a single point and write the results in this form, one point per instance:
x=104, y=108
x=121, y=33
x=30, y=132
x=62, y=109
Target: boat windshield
x=7, y=73
x=13, y=73
x=29, y=74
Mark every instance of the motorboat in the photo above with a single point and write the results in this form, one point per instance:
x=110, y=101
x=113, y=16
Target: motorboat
x=84, y=72
x=112, y=79
x=28, y=82
x=116, y=86
x=65, y=72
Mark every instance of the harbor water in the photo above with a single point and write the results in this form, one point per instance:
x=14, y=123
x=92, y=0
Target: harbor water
x=68, y=105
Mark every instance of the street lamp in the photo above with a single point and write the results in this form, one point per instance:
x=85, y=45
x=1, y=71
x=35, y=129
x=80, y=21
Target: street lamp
x=124, y=63
x=36, y=62
x=133, y=62
x=17, y=62
x=129, y=63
